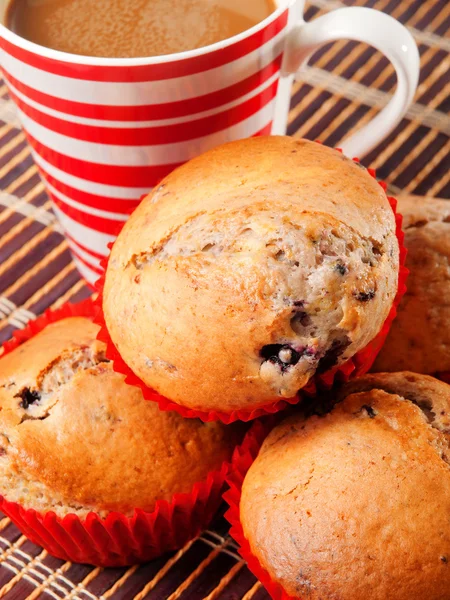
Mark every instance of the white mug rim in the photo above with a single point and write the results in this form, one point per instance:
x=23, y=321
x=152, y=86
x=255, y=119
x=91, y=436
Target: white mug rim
x=97, y=61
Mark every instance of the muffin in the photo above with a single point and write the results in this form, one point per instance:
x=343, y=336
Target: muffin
x=249, y=270
x=419, y=339
x=355, y=504
x=76, y=440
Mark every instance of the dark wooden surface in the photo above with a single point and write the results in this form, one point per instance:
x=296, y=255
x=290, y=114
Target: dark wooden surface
x=345, y=84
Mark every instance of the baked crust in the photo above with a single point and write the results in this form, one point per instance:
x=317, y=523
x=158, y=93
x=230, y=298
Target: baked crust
x=419, y=339
x=248, y=270
x=74, y=437
x=355, y=504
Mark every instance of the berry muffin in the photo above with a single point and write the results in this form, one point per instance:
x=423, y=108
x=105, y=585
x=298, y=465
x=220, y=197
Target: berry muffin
x=355, y=503
x=76, y=440
x=249, y=270
x=419, y=339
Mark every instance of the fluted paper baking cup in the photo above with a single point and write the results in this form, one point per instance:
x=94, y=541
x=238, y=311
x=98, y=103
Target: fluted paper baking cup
x=359, y=364
x=244, y=460
x=119, y=539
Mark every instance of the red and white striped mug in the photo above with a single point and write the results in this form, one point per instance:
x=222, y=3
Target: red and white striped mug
x=104, y=131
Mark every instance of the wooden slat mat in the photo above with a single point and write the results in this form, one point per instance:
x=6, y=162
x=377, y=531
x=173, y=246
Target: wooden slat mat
x=343, y=87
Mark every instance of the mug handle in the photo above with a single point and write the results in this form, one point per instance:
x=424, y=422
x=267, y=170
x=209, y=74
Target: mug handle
x=382, y=32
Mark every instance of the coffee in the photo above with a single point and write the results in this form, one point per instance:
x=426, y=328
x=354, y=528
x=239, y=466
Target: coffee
x=131, y=28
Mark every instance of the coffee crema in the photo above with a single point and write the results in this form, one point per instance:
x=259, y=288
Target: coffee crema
x=132, y=28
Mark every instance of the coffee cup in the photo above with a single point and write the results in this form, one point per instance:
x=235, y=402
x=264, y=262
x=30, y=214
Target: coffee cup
x=104, y=131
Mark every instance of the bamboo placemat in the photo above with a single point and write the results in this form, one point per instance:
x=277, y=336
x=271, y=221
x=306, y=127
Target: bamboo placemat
x=343, y=87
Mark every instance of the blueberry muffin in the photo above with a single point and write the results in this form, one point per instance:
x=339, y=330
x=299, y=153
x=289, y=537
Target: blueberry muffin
x=75, y=438
x=355, y=503
x=419, y=339
x=250, y=269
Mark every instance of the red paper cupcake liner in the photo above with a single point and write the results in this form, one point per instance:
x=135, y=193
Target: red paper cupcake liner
x=119, y=540
x=232, y=496
x=359, y=364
